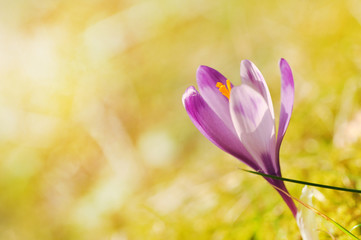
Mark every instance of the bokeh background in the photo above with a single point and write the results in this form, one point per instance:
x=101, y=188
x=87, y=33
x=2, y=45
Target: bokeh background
x=95, y=143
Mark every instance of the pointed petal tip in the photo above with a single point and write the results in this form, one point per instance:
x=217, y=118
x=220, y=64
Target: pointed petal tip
x=203, y=73
x=207, y=78
x=190, y=91
x=206, y=75
x=249, y=70
x=202, y=68
x=286, y=72
x=245, y=63
x=284, y=66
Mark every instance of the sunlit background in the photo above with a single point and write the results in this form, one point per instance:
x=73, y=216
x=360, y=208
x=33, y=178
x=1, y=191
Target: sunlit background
x=95, y=142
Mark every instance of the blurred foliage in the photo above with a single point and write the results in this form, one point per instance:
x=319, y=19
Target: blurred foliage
x=95, y=143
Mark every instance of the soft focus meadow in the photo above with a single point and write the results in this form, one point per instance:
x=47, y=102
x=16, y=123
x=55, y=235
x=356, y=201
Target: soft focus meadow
x=95, y=142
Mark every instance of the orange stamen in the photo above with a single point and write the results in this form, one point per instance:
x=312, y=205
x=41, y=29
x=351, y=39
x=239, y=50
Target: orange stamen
x=226, y=91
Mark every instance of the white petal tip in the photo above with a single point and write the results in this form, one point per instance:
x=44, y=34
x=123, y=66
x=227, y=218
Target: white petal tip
x=190, y=91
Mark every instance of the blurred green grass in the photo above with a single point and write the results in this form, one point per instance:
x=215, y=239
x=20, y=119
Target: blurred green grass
x=95, y=143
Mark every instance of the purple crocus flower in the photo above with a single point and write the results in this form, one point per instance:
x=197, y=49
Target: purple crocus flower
x=240, y=120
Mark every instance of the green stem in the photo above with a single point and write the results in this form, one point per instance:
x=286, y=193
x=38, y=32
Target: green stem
x=304, y=182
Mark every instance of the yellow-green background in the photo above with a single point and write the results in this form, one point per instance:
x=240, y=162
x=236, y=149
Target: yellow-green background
x=94, y=140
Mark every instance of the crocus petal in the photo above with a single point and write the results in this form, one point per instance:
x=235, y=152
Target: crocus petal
x=287, y=98
x=252, y=76
x=207, y=79
x=254, y=125
x=213, y=127
x=306, y=219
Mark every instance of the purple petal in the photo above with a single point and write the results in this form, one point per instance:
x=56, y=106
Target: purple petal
x=252, y=76
x=213, y=127
x=254, y=125
x=287, y=98
x=207, y=79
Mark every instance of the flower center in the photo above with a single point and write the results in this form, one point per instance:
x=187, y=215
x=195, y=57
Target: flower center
x=225, y=90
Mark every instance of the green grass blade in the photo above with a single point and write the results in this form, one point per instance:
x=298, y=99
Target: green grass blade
x=304, y=182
